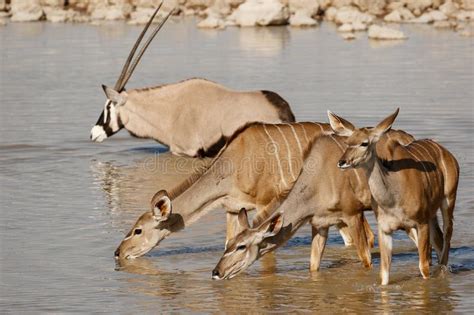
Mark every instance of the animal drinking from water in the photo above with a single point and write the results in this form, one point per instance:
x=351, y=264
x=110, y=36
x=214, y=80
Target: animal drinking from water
x=256, y=169
x=322, y=196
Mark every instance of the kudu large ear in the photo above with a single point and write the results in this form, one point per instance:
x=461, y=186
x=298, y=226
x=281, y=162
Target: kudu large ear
x=271, y=227
x=161, y=206
x=339, y=125
x=113, y=95
x=385, y=125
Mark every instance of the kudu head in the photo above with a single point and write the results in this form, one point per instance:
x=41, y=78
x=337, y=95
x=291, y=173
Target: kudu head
x=245, y=248
x=109, y=121
x=360, y=142
x=150, y=229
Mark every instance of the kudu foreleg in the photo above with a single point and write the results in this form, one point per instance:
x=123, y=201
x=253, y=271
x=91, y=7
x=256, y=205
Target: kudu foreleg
x=318, y=243
x=424, y=249
x=385, y=245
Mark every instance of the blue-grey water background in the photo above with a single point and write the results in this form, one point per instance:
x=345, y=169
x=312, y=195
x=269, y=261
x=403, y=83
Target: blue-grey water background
x=66, y=202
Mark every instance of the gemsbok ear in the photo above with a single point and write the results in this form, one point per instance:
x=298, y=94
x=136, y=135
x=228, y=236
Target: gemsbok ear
x=271, y=227
x=243, y=219
x=113, y=95
x=161, y=206
x=386, y=124
x=339, y=125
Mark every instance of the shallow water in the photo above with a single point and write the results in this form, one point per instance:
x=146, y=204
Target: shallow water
x=66, y=202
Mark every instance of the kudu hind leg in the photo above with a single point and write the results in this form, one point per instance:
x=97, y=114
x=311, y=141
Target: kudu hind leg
x=358, y=232
x=447, y=209
x=368, y=232
x=436, y=237
x=318, y=243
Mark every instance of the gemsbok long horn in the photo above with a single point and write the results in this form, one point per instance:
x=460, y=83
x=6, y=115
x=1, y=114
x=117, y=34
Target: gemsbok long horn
x=126, y=73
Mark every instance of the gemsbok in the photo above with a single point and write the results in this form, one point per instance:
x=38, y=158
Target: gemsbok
x=408, y=183
x=322, y=196
x=255, y=170
x=193, y=117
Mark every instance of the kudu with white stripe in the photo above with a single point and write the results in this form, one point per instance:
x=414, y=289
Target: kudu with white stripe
x=193, y=117
x=408, y=183
x=254, y=171
x=322, y=196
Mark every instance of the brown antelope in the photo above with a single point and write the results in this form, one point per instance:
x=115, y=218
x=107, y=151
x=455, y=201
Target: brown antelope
x=322, y=196
x=193, y=117
x=254, y=171
x=408, y=184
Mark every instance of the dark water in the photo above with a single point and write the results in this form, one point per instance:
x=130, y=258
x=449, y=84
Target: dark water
x=66, y=202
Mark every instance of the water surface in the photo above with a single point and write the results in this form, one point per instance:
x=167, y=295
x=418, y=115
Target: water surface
x=66, y=202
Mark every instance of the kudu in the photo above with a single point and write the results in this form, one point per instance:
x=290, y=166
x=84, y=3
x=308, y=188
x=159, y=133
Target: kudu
x=322, y=196
x=408, y=183
x=193, y=117
x=254, y=171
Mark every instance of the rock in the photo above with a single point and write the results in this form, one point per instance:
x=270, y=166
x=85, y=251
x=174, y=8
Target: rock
x=55, y=15
x=467, y=4
x=341, y=3
x=347, y=27
x=430, y=17
x=444, y=24
x=463, y=15
x=330, y=13
x=394, y=5
x=466, y=33
x=399, y=15
x=26, y=10
x=449, y=8
x=3, y=22
x=212, y=22
x=417, y=7
x=215, y=15
x=351, y=27
x=259, y=12
x=352, y=15
x=3, y=5
x=311, y=6
x=198, y=5
x=348, y=36
x=380, y=32
x=109, y=9
x=52, y=3
x=301, y=18
x=393, y=16
x=375, y=7
x=324, y=4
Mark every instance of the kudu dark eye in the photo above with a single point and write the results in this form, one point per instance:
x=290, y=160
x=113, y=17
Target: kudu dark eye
x=137, y=232
x=241, y=247
x=364, y=144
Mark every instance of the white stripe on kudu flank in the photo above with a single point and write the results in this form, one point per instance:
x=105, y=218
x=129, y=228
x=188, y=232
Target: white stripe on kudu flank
x=297, y=139
x=429, y=154
x=276, y=156
x=445, y=169
x=304, y=132
x=419, y=161
x=289, y=152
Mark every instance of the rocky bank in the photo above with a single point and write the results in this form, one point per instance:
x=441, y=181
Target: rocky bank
x=350, y=15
